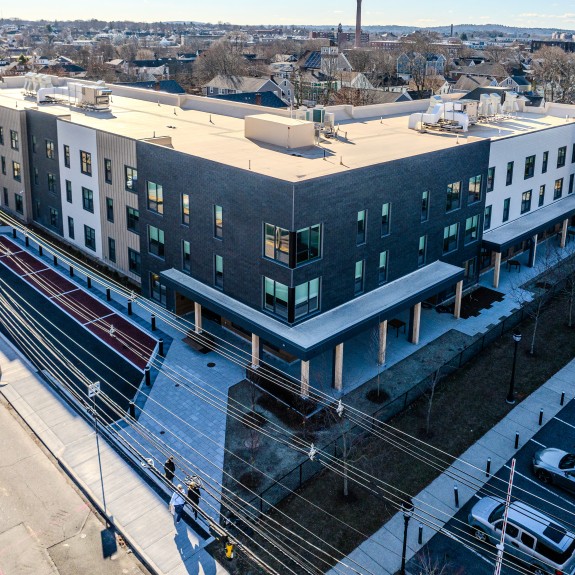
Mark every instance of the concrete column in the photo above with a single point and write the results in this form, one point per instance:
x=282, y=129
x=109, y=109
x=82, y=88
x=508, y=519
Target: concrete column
x=458, y=292
x=415, y=323
x=198, y=317
x=382, y=342
x=564, y=232
x=532, y=251
x=497, y=269
x=304, y=378
x=255, y=350
x=338, y=367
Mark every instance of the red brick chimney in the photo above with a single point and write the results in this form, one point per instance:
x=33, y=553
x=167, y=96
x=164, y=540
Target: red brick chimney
x=358, y=25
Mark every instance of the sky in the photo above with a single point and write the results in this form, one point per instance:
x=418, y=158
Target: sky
x=416, y=13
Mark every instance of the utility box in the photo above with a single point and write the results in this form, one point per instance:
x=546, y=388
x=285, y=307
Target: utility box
x=279, y=131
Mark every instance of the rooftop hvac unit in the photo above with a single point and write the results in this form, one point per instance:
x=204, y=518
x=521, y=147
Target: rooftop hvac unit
x=510, y=105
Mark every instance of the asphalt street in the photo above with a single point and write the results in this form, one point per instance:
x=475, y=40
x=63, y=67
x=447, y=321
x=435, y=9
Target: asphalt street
x=477, y=558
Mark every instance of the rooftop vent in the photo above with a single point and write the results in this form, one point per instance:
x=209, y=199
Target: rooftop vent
x=279, y=131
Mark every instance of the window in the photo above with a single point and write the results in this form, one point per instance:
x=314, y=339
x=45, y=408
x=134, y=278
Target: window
x=487, y=217
x=5, y=191
x=66, y=156
x=276, y=297
x=570, y=188
x=108, y=170
x=218, y=221
x=86, y=163
x=50, y=149
x=219, y=272
x=360, y=235
x=51, y=183
x=130, y=178
x=383, y=266
x=474, y=192
x=110, y=209
x=490, y=179
x=506, y=206
x=157, y=290
x=306, y=298
x=425, y=206
x=527, y=540
x=186, y=256
x=558, y=189
x=156, y=241
x=308, y=244
x=525, y=201
x=450, y=234
x=529, y=167
x=14, y=144
x=16, y=171
x=359, y=277
x=453, y=196
x=541, y=195
x=276, y=243
x=134, y=262
x=54, y=217
x=471, y=227
x=19, y=203
x=69, y=191
x=470, y=273
x=573, y=154
x=90, y=238
x=545, y=161
x=385, y=219
x=421, y=252
x=561, y=153
x=88, y=199
x=186, y=209
x=509, y=177
x=36, y=177
x=155, y=197
x=70, y=228
x=1, y=135
x=3, y=160
x=133, y=219
x=34, y=144
x=112, y=249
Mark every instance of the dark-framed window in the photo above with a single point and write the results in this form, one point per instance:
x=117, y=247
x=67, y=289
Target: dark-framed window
x=453, y=201
x=157, y=290
x=218, y=222
x=5, y=194
x=509, y=175
x=110, y=209
x=490, y=179
x=561, y=155
x=51, y=183
x=186, y=256
x=1, y=135
x=155, y=197
x=130, y=178
x=16, y=171
x=383, y=268
x=66, y=156
x=108, y=170
x=88, y=199
x=308, y=244
x=471, y=229
x=306, y=298
x=570, y=188
x=359, y=282
x=186, y=209
x=19, y=203
x=50, y=152
x=361, y=227
x=545, y=162
x=112, y=250
x=529, y=167
x=487, y=217
x=450, y=238
x=156, y=241
x=425, y=205
x=71, y=228
x=133, y=219
x=90, y=238
x=69, y=191
x=86, y=162
x=422, y=251
x=276, y=297
x=36, y=177
x=276, y=243
x=526, y=201
x=54, y=217
x=385, y=219
x=219, y=271
x=134, y=262
x=541, y=195
x=506, y=208
x=474, y=190
x=558, y=189
x=34, y=144
x=573, y=154
x=14, y=140
x=3, y=161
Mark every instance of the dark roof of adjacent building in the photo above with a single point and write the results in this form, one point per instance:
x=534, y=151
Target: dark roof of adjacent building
x=267, y=99
x=169, y=86
x=476, y=94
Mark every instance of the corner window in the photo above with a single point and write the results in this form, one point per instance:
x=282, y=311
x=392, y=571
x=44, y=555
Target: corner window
x=130, y=178
x=218, y=222
x=66, y=156
x=359, y=277
x=86, y=163
x=157, y=290
x=471, y=229
x=276, y=243
x=112, y=250
x=450, y=237
x=453, y=196
x=16, y=171
x=570, y=188
x=529, y=167
x=133, y=219
x=14, y=142
x=360, y=235
x=155, y=197
x=88, y=200
x=490, y=179
x=385, y=219
x=90, y=238
x=506, y=206
x=509, y=176
x=383, y=266
x=558, y=189
x=110, y=209
x=474, y=191
x=186, y=256
x=134, y=262
x=70, y=228
x=308, y=244
x=561, y=154
x=545, y=162
x=425, y=206
x=69, y=191
x=186, y=209
x=541, y=195
x=306, y=298
x=156, y=241
x=108, y=170
x=219, y=272
x=276, y=298
x=487, y=217
x=19, y=203
x=50, y=149
x=422, y=250
x=525, y=201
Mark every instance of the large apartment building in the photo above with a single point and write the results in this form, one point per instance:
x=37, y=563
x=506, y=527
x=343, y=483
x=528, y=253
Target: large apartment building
x=275, y=229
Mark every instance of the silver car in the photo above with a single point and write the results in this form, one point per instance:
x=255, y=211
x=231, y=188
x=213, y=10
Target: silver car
x=535, y=539
x=555, y=466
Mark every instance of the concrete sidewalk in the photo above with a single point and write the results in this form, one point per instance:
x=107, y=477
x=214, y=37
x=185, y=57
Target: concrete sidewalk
x=136, y=509
x=381, y=553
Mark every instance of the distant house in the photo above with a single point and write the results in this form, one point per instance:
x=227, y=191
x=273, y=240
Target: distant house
x=166, y=86
x=224, y=85
x=410, y=64
x=65, y=69
x=266, y=99
x=469, y=82
x=518, y=83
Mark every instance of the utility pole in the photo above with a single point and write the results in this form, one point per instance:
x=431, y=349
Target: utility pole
x=93, y=391
x=501, y=547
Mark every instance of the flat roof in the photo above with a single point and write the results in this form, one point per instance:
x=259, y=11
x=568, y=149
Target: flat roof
x=326, y=330
x=360, y=142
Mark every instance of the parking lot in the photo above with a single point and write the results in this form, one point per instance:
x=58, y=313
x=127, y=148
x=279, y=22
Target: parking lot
x=479, y=558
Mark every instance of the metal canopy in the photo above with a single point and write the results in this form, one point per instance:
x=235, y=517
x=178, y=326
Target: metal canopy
x=326, y=330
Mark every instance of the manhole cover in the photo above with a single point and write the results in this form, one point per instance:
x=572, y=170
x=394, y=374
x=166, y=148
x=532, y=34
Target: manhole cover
x=211, y=364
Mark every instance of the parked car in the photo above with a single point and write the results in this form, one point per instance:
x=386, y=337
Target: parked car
x=545, y=545
x=553, y=465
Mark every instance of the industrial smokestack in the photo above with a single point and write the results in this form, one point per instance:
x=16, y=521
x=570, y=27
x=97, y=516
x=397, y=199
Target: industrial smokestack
x=358, y=25
x=452, y=30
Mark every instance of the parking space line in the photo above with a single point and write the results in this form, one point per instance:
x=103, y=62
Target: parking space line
x=451, y=535
x=561, y=421
x=534, y=441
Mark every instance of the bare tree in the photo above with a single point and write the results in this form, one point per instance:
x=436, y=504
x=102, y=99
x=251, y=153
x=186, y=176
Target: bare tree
x=220, y=59
x=429, y=565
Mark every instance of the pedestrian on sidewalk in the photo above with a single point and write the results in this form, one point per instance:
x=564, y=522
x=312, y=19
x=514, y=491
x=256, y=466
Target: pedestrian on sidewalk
x=194, y=495
x=170, y=468
x=177, y=503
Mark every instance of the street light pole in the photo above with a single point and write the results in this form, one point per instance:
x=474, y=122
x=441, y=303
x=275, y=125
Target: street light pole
x=93, y=391
x=407, y=510
x=511, y=395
